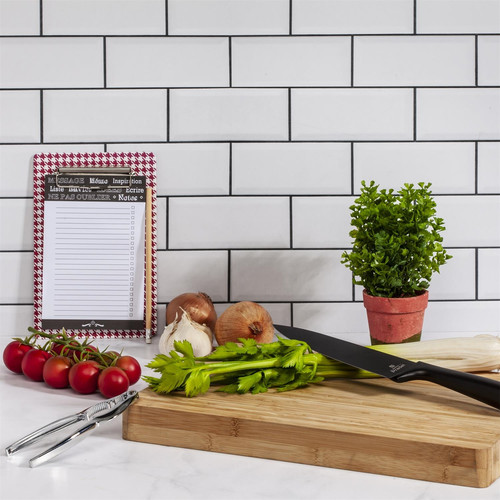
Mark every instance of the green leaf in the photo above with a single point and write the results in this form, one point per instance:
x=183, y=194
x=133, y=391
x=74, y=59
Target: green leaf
x=230, y=388
x=197, y=383
x=248, y=382
x=184, y=347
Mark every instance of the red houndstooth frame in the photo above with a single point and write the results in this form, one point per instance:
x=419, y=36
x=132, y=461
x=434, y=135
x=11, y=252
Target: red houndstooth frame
x=48, y=163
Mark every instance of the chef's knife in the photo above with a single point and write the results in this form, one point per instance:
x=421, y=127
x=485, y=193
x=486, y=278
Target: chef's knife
x=397, y=369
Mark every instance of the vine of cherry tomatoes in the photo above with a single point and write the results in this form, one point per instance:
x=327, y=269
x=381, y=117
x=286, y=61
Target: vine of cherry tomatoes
x=62, y=361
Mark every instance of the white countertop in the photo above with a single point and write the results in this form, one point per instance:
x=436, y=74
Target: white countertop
x=104, y=466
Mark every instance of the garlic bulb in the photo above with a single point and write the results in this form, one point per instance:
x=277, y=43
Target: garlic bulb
x=199, y=336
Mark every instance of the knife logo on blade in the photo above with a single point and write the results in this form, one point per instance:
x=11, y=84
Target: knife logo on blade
x=396, y=368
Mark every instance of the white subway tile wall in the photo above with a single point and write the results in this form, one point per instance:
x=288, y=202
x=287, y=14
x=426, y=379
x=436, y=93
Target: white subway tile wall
x=359, y=114
x=37, y=62
x=264, y=116
x=228, y=114
x=104, y=115
x=20, y=17
x=489, y=60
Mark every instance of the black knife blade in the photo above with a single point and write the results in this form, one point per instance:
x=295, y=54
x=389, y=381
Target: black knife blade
x=395, y=368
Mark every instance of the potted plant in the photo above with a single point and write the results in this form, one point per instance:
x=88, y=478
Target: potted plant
x=396, y=249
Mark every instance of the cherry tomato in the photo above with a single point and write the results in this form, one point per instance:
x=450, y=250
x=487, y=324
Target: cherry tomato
x=33, y=363
x=110, y=356
x=84, y=354
x=56, y=372
x=83, y=376
x=56, y=348
x=71, y=353
x=13, y=355
x=131, y=367
x=113, y=381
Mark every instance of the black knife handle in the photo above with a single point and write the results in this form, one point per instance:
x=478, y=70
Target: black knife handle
x=481, y=388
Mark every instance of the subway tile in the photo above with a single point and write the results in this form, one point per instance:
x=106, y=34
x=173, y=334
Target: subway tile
x=229, y=222
x=355, y=16
x=336, y=319
x=16, y=224
x=465, y=318
x=19, y=17
x=414, y=61
x=279, y=312
x=104, y=17
x=446, y=285
x=180, y=272
x=228, y=17
x=488, y=174
x=15, y=320
x=456, y=279
x=291, y=168
x=228, y=114
x=488, y=60
x=488, y=273
x=161, y=222
x=20, y=116
x=443, y=319
x=352, y=114
x=161, y=312
x=450, y=167
x=16, y=270
x=41, y=62
x=458, y=114
x=187, y=169
x=321, y=222
x=167, y=62
x=291, y=61
x=470, y=220
x=289, y=275
x=105, y=115
x=450, y=16
x=16, y=165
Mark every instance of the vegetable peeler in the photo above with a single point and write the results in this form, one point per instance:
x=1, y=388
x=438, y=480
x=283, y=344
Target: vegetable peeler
x=92, y=416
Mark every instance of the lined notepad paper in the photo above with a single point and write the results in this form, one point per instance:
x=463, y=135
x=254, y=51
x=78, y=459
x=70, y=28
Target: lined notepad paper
x=94, y=247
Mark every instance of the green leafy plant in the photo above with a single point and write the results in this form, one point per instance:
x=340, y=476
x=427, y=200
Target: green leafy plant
x=397, y=241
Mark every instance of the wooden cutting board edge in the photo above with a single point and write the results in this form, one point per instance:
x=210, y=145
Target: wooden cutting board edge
x=232, y=428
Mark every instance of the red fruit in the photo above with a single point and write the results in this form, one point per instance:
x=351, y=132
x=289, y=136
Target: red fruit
x=56, y=372
x=113, y=381
x=13, y=355
x=83, y=376
x=33, y=363
x=131, y=367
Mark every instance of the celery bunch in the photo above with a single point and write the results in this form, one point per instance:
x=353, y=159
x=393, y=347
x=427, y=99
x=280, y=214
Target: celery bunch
x=290, y=364
x=246, y=367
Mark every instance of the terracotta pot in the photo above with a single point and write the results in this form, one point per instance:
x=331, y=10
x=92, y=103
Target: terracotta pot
x=395, y=320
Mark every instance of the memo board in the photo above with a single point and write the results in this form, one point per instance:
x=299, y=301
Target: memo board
x=94, y=229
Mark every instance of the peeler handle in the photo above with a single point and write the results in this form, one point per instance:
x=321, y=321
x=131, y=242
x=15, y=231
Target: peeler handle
x=63, y=445
x=35, y=436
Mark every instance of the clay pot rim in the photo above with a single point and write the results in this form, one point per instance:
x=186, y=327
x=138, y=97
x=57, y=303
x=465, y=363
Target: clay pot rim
x=396, y=304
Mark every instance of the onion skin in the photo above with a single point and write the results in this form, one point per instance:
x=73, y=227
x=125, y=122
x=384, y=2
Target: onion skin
x=244, y=320
x=199, y=306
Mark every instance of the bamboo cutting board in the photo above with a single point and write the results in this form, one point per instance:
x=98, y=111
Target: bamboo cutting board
x=414, y=430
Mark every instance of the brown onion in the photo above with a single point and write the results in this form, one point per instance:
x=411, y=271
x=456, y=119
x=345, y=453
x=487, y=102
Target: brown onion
x=244, y=320
x=199, y=306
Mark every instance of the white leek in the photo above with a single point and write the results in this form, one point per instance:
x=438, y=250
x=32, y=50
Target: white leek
x=480, y=353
